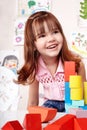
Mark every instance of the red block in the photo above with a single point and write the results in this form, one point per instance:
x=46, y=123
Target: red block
x=47, y=114
x=32, y=122
x=80, y=124
x=69, y=68
x=64, y=123
x=12, y=125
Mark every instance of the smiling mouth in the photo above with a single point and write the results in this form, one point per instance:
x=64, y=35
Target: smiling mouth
x=52, y=46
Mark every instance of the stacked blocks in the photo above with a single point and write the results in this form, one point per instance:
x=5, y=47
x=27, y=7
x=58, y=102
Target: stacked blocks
x=69, y=69
x=75, y=95
x=47, y=114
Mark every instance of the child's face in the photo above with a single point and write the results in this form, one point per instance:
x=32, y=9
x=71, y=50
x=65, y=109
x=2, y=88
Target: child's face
x=49, y=44
x=12, y=63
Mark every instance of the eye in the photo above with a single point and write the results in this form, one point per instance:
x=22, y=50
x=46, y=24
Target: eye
x=56, y=31
x=41, y=36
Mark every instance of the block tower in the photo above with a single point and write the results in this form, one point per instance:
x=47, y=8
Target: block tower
x=75, y=89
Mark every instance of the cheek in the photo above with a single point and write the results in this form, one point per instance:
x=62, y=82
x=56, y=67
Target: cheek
x=61, y=41
x=38, y=45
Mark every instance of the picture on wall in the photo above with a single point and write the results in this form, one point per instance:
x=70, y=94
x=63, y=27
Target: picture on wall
x=19, y=26
x=78, y=43
x=82, y=20
x=27, y=7
x=24, y=9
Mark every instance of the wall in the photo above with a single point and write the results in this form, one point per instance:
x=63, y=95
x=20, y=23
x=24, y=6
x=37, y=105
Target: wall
x=65, y=10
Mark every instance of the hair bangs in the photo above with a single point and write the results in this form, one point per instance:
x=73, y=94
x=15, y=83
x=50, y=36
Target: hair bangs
x=51, y=24
x=39, y=27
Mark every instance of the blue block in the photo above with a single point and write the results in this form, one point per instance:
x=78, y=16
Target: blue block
x=78, y=102
x=83, y=107
x=67, y=93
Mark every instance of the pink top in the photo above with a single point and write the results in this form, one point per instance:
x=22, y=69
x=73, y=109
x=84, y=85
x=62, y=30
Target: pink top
x=53, y=85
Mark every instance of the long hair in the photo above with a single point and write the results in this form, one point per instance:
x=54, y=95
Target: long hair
x=31, y=55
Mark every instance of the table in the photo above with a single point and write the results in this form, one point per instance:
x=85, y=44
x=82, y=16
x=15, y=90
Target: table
x=19, y=115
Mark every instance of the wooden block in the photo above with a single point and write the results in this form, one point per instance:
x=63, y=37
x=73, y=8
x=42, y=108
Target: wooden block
x=12, y=125
x=76, y=94
x=80, y=124
x=32, y=122
x=47, y=114
x=83, y=107
x=78, y=102
x=64, y=123
x=68, y=106
x=69, y=67
x=75, y=81
x=67, y=96
x=85, y=93
x=74, y=110
x=81, y=114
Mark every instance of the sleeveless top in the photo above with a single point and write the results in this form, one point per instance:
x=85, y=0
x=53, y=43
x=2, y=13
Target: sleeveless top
x=53, y=85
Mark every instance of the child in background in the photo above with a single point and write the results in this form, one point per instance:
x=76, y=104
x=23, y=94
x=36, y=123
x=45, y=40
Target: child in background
x=11, y=62
x=45, y=51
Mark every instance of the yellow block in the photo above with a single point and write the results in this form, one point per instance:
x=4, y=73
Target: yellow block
x=75, y=81
x=85, y=93
x=76, y=94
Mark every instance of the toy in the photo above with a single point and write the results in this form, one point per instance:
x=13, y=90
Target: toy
x=47, y=114
x=12, y=125
x=32, y=122
x=64, y=123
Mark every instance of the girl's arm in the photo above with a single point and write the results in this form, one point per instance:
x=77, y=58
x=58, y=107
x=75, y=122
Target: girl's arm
x=82, y=71
x=33, y=94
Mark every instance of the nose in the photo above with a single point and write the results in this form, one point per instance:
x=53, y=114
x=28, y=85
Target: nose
x=50, y=37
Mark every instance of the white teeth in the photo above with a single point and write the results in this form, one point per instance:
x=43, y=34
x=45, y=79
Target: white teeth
x=52, y=46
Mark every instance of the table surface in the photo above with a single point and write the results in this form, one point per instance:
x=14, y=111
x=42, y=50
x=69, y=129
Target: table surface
x=19, y=115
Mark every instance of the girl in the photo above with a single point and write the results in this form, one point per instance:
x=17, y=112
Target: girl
x=45, y=50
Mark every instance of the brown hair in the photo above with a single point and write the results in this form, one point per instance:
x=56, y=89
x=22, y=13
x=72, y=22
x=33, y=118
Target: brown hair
x=31, y=55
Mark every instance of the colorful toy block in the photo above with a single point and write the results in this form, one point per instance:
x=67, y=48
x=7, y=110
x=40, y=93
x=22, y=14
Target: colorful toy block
x=69, y=106
x=80, y=124
x=78, y=102
x=85, y=93
x=12, y=125
x=81, y=114
x=47, y=114
x=74, y=110
x=32, y=122
x=75, y=81
x=76, y=93
x=64, y=123
x=83, y=107
x=69, y=67
x=76, y=96
x=67, y=93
